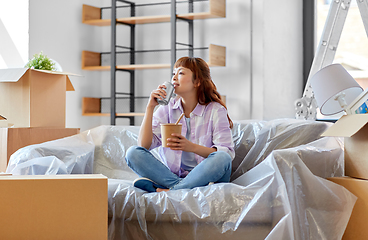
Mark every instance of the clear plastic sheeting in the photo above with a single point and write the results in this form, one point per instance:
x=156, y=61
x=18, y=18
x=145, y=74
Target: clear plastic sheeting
x=278, y=188
x=74, y=155
x=271, y=135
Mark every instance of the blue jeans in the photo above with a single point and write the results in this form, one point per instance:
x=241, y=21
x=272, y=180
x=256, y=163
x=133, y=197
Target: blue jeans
x=215, y=168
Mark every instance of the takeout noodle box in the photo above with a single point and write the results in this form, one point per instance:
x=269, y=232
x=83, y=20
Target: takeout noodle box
x=54, y=207
x=34, y=98
x=12, y=139
x=354, y=129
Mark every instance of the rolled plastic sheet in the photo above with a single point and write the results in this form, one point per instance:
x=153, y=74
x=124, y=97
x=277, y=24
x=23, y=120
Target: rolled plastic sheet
x=278, y=188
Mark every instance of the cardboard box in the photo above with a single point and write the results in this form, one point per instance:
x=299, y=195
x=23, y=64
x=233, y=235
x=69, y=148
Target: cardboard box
x=34, y=98
x=354, y=129
x=357, y=226
x=12, y=139
x=54, y=207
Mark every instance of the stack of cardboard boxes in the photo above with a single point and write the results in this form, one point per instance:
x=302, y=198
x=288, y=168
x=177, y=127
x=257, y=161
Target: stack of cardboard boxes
x=354, y=129
x=72, y=206
x=32, y=109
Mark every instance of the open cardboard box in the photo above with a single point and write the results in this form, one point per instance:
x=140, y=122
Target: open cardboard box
x=34, y=98
x=354, y=129
x=12, y=139
x=66, y=206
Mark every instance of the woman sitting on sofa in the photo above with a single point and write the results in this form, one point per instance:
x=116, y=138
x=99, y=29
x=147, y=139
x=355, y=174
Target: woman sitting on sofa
x=203, y=152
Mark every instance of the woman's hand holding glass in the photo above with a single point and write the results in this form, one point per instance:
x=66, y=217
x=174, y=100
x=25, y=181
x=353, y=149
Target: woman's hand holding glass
x=158, y=93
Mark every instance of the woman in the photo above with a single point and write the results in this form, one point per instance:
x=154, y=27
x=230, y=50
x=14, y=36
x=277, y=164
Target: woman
x=202, y=154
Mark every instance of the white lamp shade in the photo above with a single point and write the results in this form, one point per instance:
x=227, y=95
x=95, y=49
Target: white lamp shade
x=330, y=81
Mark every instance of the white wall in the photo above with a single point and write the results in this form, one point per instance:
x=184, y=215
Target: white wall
x=277, y=58
x=262, y=78
x=56, y=29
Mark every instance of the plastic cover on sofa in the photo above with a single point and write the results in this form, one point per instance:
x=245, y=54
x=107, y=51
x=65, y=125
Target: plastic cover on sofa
x=278, y=188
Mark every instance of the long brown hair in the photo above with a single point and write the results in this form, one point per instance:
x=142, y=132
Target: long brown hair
x=207, y=91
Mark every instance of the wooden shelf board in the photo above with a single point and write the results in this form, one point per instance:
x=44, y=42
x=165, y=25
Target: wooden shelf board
x=144, y=20
x=143, y=66
x=193, y=16
x=91, y=61
x=128, y=67
x=96, y=68
x=150, y=19
x=98, y=22
x=117, y=114
x=136, y=67
x=91, y=107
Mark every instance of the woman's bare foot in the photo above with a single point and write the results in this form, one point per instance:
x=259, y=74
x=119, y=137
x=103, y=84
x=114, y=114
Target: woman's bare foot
x=162, y=190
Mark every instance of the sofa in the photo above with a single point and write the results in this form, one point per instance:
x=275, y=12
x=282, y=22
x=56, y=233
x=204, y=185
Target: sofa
x=278, y=187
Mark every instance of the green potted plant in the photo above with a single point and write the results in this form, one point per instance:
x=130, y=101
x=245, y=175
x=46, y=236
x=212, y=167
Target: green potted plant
x=42, y=62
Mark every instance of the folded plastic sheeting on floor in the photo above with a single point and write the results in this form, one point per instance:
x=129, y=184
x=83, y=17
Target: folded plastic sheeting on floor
x=278, y=190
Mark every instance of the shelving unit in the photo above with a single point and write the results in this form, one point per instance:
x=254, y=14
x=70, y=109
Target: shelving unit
x=92, y=60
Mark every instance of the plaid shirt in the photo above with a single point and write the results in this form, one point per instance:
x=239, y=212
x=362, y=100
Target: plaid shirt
x=209, y=128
